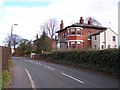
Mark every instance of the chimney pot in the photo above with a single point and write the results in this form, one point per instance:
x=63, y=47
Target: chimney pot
x=81, y=20
x=90, y=21
x=61, y=25
x=37, y=36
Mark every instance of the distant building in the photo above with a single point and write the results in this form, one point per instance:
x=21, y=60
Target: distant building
x=54, y=44
x=119, y=24
x=104, y=39
x=77, y=35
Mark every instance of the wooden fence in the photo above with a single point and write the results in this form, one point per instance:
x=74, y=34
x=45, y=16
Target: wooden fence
x=4, y=57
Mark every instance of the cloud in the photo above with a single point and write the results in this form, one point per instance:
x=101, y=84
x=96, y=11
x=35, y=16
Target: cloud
x=27, y=0
x=1, y=3
x=29, y=19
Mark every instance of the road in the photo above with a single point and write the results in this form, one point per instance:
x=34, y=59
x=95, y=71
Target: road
x=40, y=74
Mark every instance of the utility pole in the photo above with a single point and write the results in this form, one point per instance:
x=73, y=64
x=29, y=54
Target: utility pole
x=11, y=38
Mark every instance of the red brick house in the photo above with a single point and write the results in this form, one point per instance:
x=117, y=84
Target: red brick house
x=77, y=35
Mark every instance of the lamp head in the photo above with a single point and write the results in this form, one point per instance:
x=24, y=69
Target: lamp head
x=15, y=24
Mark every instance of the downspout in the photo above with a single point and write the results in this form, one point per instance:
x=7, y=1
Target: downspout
x=105, y=38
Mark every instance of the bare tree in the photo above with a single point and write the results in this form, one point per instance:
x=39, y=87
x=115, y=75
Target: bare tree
x=50, y=27
x=15, y=40
x=94, y=21
x=43, y=28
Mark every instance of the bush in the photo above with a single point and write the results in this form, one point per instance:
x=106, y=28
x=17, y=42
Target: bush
x=104, y=60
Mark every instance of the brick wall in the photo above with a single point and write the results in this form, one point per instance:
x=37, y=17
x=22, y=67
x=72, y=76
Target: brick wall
x=87, y=43
x=5, y=57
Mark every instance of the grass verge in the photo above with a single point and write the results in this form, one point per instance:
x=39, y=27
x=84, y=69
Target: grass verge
x=0, y=81
x=6, y=77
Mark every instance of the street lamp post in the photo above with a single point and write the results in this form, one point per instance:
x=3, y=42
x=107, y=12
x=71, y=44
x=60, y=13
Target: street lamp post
x=11, y=37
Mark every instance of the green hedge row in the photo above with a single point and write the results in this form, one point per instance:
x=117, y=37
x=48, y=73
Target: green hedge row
x=104, y=60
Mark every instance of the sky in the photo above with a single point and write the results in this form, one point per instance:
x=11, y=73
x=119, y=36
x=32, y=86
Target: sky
x=30, y=14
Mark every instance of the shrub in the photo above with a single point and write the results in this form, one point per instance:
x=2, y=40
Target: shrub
x=102, y=60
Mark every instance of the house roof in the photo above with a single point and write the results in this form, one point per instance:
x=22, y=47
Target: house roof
x=83, y=26
x=112, y=31
x=100, y=31
x=97, y=33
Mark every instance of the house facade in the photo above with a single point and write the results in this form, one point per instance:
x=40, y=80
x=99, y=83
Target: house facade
x=104, y=39
x=77, y=35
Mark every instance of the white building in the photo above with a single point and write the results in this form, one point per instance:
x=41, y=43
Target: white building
x=119, y=24
x=104, y=39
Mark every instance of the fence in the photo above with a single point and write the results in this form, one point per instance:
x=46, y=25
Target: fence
x=4, y=58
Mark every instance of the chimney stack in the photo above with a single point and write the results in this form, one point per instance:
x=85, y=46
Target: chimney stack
x=90, y=21
x=81, y=20
x=37, y=36
x=61, y=25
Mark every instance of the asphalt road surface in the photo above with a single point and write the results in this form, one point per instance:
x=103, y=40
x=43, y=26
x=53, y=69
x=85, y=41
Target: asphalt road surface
x=29, y=73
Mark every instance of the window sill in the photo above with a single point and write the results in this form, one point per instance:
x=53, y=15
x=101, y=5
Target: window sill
x=74, y=35
x=88, y=39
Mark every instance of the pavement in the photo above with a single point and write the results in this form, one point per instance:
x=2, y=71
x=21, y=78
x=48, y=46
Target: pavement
x=19, y=77
x=40, y=74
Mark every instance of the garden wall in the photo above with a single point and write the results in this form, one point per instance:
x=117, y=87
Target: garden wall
x=4, y=57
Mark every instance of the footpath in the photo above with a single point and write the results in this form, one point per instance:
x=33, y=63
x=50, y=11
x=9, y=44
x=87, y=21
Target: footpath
x=19, y=77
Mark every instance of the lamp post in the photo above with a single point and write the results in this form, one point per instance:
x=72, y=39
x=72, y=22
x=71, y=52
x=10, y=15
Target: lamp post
x=11, y=37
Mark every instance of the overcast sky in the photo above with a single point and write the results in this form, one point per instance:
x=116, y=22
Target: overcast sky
x=30, y=14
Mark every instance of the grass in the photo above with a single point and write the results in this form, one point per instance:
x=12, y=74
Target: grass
x=0, y=81
x=10, y=64
x=5, y=79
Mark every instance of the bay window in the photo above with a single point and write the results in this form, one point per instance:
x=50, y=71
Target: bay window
x=72, y=31
x=78, y=31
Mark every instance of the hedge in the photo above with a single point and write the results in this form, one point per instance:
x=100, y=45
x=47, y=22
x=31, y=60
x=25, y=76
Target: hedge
x=102, y=60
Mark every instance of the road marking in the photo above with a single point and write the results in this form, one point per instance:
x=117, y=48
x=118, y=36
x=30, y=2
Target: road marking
x=31, y=61
x=49, y=68
x=38, y=63
x=31, y=80
x=72, y=77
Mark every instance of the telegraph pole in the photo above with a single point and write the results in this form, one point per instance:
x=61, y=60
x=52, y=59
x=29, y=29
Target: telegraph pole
x=11, y=38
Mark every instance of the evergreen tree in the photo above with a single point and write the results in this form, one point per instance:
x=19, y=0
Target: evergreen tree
x=43, y=43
